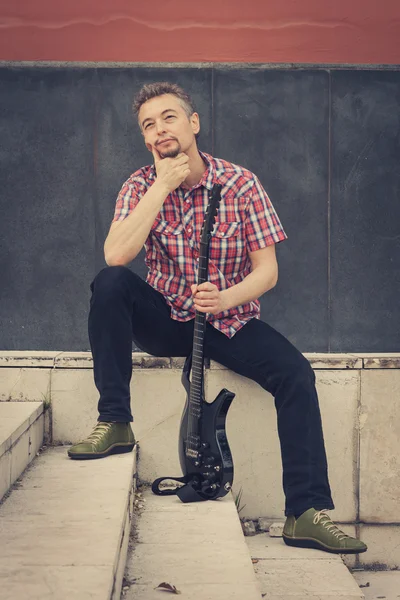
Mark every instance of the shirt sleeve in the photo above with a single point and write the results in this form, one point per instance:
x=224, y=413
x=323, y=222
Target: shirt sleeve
x=128, y=198
x=262, y=225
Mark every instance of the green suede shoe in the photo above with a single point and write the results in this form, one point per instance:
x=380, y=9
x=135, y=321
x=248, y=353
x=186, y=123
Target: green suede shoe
x=105, y=439
x=315, y=529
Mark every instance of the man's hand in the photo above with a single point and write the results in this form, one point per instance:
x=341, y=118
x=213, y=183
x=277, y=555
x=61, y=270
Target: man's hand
x=207, y=298
x=171, y=172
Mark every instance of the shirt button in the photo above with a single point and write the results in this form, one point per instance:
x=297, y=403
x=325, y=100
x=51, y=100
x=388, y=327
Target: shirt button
x=189, y=230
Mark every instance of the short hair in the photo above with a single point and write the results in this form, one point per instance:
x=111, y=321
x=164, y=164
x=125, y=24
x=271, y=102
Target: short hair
x=152, y=90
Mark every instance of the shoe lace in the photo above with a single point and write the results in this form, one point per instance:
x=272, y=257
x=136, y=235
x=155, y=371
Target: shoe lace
x=327, y=522
x=98, y=432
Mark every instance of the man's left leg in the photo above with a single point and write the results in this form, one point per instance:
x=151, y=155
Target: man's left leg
x=262, y=354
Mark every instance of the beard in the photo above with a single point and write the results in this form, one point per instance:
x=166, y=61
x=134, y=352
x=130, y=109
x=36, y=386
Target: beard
x=171, y=153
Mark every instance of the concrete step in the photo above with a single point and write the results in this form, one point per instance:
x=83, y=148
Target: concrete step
x=199, y=548
x=64, y=530
x=21, y=436
x=381, y=584
x=286, y=573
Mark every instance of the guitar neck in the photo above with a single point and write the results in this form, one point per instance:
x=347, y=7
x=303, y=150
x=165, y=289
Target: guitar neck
x=196, y=387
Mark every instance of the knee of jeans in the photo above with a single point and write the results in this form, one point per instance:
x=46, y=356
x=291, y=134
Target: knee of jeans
x=306, y=370
x=301, y=370
x=110, y=278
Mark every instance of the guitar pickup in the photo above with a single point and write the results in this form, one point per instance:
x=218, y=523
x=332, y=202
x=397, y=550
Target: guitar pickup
x=195, y=411
x=190, y=453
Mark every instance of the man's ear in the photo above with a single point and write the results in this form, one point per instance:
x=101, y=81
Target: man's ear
x=195, y=122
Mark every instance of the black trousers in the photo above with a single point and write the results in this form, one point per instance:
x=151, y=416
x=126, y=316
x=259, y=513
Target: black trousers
x=123, y=308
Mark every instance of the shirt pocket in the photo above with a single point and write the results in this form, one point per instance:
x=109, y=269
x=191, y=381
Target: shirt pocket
x=168, y=240
x=167, y=228
x=226, y=230
x=226, y=246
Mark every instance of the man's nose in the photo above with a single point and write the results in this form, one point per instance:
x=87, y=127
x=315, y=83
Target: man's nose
x=160, y=126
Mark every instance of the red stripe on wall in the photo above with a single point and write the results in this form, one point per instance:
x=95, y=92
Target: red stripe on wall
x=294, y=31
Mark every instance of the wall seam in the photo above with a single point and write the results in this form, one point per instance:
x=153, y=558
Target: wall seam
x=212, y=113
x=329, y=209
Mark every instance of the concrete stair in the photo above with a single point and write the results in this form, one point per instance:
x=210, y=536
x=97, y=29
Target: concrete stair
x=64, y=525
x=199, y=548
x=21, y=436
x=287, y=573
x=64, y=529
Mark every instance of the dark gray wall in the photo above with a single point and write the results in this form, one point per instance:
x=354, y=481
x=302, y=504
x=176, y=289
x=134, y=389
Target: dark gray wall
x=324, y=142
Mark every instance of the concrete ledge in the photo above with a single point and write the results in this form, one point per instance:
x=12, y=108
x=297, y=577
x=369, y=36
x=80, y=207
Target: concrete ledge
x=83, y=360
x=199, y=548
x=64, y=531
x=21, y=436
x=383, y=360
x=27, y=358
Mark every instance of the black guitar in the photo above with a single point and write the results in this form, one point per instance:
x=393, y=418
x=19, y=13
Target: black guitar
x=204, y=452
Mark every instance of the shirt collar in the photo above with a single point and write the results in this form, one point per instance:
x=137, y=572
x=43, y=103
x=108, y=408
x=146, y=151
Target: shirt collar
x=209, y=175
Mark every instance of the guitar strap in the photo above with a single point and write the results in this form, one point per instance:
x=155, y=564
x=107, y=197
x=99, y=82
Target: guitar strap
x=185, y=493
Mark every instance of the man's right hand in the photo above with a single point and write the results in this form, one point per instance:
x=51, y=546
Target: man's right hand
x=171, y=172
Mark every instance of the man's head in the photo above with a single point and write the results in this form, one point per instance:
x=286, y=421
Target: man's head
x=167, y=118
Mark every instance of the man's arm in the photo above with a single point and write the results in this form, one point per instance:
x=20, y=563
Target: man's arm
x=126, y=238
x=263, y=277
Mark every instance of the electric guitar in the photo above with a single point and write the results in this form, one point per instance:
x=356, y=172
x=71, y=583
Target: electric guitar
x=204, y=452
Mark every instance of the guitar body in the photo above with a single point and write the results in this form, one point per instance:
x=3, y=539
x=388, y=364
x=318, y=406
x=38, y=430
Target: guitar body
x=207, y=458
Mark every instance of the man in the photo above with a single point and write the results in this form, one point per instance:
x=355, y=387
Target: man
x=162, y=207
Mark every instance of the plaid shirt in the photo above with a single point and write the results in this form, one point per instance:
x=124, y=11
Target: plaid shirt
x=246, y=222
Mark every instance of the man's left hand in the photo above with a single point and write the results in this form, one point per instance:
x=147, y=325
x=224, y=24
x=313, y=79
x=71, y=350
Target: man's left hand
x=207, y=298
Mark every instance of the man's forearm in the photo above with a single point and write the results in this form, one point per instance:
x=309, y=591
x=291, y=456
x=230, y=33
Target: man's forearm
x=126, y=240
x=259, y=281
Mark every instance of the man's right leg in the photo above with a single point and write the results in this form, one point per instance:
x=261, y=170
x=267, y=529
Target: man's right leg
x=124, y=307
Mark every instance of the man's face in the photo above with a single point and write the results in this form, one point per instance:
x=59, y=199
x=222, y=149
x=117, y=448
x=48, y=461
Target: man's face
x=166, y=126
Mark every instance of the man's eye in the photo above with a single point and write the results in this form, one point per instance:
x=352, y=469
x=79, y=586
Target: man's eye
x=148, y=125
x=170, y=117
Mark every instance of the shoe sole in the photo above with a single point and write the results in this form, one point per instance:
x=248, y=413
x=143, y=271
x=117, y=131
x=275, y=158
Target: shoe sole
x=310, y=543
x=115, y=449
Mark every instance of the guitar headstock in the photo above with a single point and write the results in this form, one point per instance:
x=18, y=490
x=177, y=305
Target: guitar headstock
x=211, y=213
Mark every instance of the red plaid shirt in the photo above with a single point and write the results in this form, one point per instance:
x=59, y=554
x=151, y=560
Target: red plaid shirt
x=246, y=221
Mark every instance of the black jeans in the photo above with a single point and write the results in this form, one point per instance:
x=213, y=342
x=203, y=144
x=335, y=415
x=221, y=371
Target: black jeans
x=124, y=307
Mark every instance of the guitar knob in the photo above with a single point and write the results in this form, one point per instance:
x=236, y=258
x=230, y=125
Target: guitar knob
x=197, y=463
x=205, y=445
x=217, y=468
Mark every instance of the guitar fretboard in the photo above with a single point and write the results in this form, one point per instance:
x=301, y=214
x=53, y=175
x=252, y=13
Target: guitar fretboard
x=196, y=393
x=197, y=379
x=196, y=387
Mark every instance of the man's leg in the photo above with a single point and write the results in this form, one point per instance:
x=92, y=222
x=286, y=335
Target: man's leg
x=259, y=352
x=124, y=307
